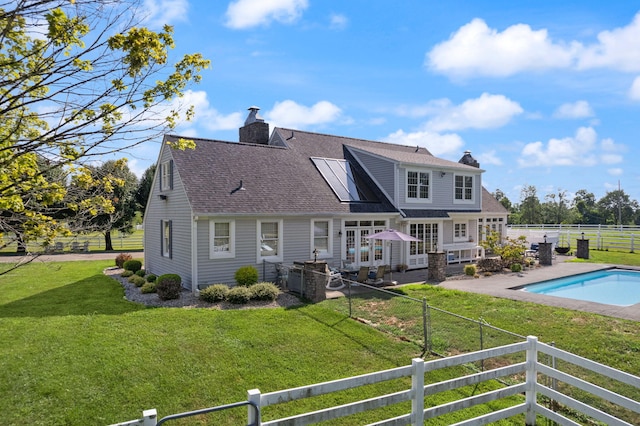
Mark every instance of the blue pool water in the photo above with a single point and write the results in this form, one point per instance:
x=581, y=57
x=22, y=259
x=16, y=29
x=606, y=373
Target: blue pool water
x=612, y=287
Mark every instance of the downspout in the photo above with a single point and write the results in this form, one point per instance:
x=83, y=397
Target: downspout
x=194, y=255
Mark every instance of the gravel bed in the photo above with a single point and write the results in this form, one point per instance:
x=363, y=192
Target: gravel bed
x=189, y=300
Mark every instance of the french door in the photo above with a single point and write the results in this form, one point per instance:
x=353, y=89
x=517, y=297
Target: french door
x=360, y=250
x=427, y=233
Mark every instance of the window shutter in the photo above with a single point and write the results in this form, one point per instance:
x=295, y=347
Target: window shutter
x=162, y=238
x=170, y=239
x=170, y=174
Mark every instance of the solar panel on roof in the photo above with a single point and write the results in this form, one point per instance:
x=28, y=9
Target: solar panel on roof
x=339, y=175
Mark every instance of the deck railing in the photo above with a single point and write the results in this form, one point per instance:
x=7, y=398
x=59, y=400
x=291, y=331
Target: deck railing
x=522, y=388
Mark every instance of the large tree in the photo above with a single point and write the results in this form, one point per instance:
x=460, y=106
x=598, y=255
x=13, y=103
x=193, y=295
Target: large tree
x=530, y=210
x=144, y=188
x=617, y=208
x=111, y=180
x=78, y=80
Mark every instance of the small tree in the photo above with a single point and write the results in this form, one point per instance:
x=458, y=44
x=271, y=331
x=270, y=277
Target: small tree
x=511, y=250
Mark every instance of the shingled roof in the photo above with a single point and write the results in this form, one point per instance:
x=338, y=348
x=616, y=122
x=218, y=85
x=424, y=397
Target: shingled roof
x=282, y=179
x=275, y=179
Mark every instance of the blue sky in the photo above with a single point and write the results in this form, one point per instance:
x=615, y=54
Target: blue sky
x=543, y=93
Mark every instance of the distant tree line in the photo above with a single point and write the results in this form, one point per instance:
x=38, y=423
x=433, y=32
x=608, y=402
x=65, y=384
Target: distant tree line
x=614, y=208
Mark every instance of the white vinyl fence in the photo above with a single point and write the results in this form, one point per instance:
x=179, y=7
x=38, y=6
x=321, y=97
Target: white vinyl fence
x=531, y=378
x=601, y=237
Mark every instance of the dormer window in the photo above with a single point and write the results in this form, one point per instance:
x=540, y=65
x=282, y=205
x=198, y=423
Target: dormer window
x=418, y=185
x=463, y=190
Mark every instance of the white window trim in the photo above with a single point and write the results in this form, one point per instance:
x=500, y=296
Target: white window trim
x=406, y=187
x=473, y=189
x=329, y=252
x=165, y=175
x=259, y=256
x=232, y=240
x=466, y=232
x=166, y=246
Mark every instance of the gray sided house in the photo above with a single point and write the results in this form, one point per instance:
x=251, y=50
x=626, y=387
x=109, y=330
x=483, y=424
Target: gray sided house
x=292, y=195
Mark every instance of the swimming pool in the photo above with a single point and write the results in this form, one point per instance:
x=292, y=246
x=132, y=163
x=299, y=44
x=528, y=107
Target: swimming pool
x=619, y=287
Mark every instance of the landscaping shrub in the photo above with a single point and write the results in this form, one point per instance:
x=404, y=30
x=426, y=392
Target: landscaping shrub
x=470, y=270
x=168, y=286
x=491, y=264
x=148, y=287
x=151, y=278
x=239, y=295
x=141, y=273
x=516, y=267
x=132, y=265
x=137, y=280
x=214, y=293
x=121, y=258
x=126, y=274
x=264, y=291
x=246, y=275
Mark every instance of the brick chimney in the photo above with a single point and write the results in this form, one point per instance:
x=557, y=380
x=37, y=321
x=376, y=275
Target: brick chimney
x=469, y=160
x=255, y=130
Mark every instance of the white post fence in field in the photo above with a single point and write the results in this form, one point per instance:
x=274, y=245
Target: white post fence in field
x=602, y=237
x=507, y=384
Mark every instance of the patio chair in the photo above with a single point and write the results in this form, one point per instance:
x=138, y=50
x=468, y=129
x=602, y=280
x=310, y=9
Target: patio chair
x=363, y=274
x=334, y=280
x=377, y=278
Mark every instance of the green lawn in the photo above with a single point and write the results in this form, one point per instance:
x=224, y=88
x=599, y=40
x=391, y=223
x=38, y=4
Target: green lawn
x=75, y=352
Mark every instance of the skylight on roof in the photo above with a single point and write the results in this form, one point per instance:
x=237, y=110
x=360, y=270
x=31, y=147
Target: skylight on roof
x=339, y=175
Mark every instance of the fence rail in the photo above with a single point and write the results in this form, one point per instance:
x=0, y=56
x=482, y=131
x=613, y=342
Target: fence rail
x=602, y=237
x=94, y=242
x=526, y=378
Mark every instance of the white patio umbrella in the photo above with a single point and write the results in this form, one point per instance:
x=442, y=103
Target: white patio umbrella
x=391, y=235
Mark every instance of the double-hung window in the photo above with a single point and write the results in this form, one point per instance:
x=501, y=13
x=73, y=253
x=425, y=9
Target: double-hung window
x=166, y=175
x=222, y=239
x=321, y=238
x=463, y=191
x=418, y=185
x=166, y=238
x=460, y=231
x=270, y=240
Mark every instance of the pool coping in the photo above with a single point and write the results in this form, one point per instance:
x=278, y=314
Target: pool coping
x=506, y=286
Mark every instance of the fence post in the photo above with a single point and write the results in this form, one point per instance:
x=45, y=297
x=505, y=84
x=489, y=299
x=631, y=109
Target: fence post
x=481, y=344
x=632, y=235
x=531, y=378
x=253, y=396
x=417, y=391
x=149, y=417
x=425, y=332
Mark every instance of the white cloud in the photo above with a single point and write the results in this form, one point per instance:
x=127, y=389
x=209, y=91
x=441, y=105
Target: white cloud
x=608, y=144
x=634, y=91
x=486, y=112
x=477, y=49
x=436, y=143
x=617, y=49
x=579, y=109
x=616, y=171
x=611, y=158
x=569, y=151
x=161, y=12
x=290, y=114
x=243, y=14
x=489, y=157
x=207, y=117
x=338, y=21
